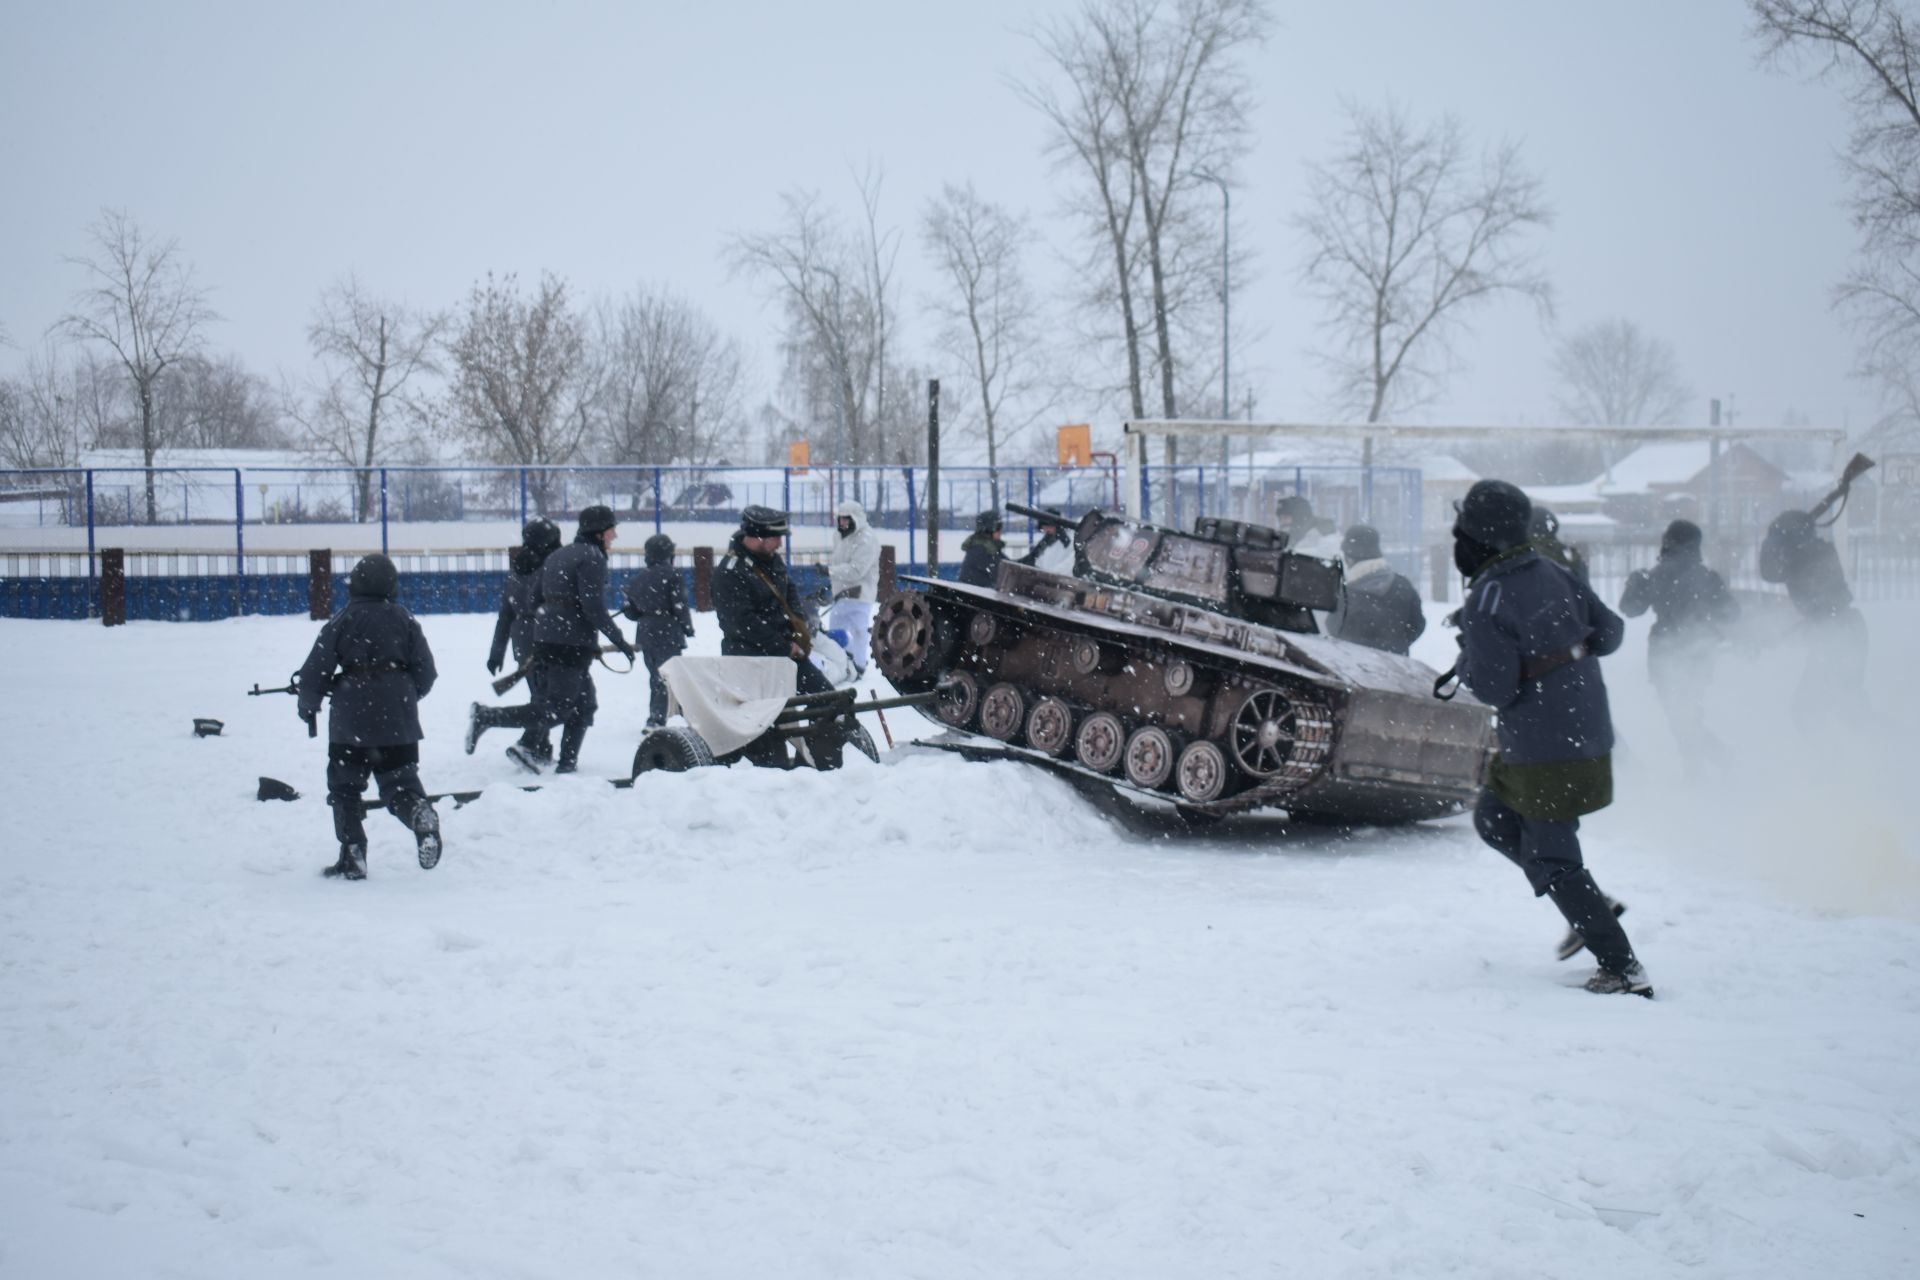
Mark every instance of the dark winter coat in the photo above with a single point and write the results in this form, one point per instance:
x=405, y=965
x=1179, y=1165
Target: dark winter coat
x=1523, y=610
x=1690, y=602
x=980, y=559
x=1378, y=608
x=753, y=616
x=518, y=600
x=1810, y=568
x=656, y=598
x=573, y=600
x=374, y=661
x=1567, y=557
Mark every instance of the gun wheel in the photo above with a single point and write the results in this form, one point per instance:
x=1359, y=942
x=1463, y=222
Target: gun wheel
x=671, y=751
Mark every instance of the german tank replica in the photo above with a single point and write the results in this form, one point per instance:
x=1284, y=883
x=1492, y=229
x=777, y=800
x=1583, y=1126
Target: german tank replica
x=1189, y=667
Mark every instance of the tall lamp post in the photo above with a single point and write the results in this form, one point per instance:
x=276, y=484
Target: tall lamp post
x=1226, y=259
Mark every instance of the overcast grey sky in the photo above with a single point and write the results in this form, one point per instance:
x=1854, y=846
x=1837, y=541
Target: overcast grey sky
x=422, y=145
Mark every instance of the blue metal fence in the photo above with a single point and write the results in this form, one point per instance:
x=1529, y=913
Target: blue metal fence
x=235, y=513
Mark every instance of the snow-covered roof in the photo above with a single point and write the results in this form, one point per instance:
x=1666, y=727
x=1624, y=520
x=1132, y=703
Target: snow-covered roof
x=1671, y=463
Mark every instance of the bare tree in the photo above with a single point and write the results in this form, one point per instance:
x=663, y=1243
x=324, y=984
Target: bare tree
x=521, y=386
x=143, y=305
x=370, y=349
x=671, y=390
x=1154, y=107
x=58, y=408
x=988, y=318
x=825, y=279
x=1872, y=49
x=1406, y=235
x=1614, y=375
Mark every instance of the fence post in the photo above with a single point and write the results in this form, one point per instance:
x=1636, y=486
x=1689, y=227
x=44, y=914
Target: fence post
x=523, y=497
x=913, y=518
x=1442, y=562
x=656, y=500
x=888, y=582
x=89, y=529
x=320, y=584
x=703, y=579
x=239, y=543
x=383, y=511
x=113, y=587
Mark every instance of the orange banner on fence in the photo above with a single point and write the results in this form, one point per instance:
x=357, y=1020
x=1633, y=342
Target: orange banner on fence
x=1075, y=444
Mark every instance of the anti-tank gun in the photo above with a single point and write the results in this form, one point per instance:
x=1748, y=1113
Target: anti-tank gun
x=1187, y=665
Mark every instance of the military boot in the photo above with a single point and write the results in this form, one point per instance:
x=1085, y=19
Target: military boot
x=352, y=864
x=426, y=833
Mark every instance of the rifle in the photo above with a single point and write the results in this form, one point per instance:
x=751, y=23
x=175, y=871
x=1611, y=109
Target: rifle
x=519, y=673
x=1858, y=466
x=292, y=686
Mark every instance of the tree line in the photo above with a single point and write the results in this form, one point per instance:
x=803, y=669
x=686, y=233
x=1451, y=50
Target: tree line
x=1410, y=227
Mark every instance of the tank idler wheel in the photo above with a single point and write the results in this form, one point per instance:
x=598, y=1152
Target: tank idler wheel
x=1179, y=677
x=1202, y=772
x=674, y=750
x=1003, y=711
x=1101, y=741
x=1263, y=732
x=959, y=699
x=1151, y=752
x=903, y=636
x=1050, y=726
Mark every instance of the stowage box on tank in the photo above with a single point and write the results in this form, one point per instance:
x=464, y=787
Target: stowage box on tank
x=1188, y=666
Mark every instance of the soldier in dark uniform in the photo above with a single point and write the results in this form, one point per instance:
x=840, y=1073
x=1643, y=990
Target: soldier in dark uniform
x=1531, y=637
x=759, y=612
x=1379, y=608
x=518, y=601
x=983, y=551
x=656, y=598
x=1832, y=685
x=1692, y=610
x=571, y=615
x=374, y=661
x=1543, y=529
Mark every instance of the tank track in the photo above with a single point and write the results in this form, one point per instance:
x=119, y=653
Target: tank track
x=1281, y=737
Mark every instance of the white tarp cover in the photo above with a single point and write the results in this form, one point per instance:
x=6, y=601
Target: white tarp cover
x=729, y=701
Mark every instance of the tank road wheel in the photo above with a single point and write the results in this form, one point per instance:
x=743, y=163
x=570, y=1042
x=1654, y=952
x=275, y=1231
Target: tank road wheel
x=1101, y=742
x=671, y=751
x=1178, y=677
x=1263, y=732
x=1003, y=711
x=959, y=698
x=1050, y=726
x=1201, y=773
x=903, y=637
x=1150, y=756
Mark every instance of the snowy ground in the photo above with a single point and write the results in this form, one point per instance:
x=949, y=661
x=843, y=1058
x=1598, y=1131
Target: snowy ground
x=924, y=1018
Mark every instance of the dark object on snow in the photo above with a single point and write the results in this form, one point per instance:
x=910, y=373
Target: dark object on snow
x=204, y=727
x=1186, y=666
x=274, y=789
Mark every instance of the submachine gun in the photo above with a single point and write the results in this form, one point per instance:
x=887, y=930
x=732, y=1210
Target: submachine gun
x=292, y=686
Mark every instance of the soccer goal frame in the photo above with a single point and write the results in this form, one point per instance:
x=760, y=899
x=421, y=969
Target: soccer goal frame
x=1136, y=433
